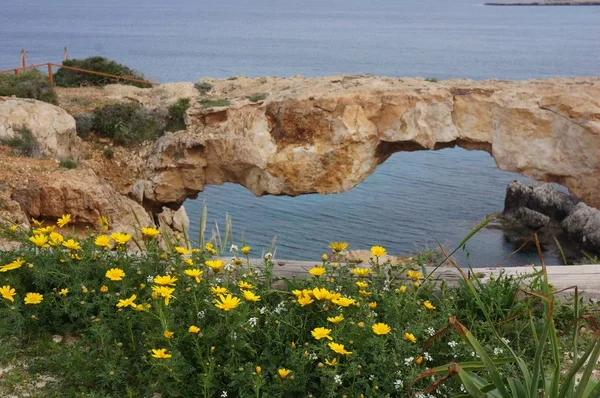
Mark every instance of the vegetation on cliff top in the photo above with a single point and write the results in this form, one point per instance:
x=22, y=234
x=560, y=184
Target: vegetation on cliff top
x=30, y=84
x=71, y=78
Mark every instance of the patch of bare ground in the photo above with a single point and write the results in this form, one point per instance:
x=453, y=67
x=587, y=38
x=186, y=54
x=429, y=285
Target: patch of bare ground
x=84, y=99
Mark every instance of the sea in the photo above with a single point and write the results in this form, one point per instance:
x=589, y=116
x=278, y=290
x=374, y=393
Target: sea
x=413, y=200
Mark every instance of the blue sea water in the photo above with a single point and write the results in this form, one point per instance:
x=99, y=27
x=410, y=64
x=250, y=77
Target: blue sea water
x=412, y=197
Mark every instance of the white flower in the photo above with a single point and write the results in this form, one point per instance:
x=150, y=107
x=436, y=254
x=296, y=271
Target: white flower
x=427, y=356
x=233, y=249
x=234, y=336
x=408, y=361
x=473, y=353
x=228, y=267
x=263, y=310
x=337, y=379
x=201, y=314
x=462, y=388
x=252, y=321
x=372, y=377
x=312, y=356
x=150, y=279
x=452, y=344
x=398, y=384
x=280, y=307
x=431, y=331
x=505, y=341
x=498, y=351
x=224, y=394
x=268, y=256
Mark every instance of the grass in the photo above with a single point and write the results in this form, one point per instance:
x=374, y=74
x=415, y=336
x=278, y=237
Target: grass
x=213, y=103
x=203, y=87
x=68, y=163
x=258, y=97
x=177, y=112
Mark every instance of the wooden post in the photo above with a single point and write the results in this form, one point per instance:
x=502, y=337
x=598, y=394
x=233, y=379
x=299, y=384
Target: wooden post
x=50, y=77
x=16, y=72
x=66, y=55
x=22, y=58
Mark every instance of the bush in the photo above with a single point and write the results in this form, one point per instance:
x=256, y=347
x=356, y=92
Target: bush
x=108, y=153
x=208, y=103
x=31, y=84
x=68, y=164
x=203, y=87
x=431, y=79
x=23, y=143
x=258, y=97
x=71, y=78
x=126, y=124
x=177, y=111
x=84, y=123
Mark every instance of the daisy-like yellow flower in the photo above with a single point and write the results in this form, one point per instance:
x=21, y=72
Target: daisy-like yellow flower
x=40, y=240
x=188, y=261
x=237, y=261
x=246, y=249
x=283, y=373
x=168, y=334
x=410, y=337
x=258, y=370
x=104, y=289
x=227, y=303
x=194, y=329
x=218, y=290
x=428, y=305
x=120, y=238
x=339, y=348
x=321, y=333
x=193, y=273
x=129, y=302
x=250, y=296
x=361, y=272
x=317, y=271
x=215, y=265
x=166, y=280
x=13, y=228
x=324, y=257
x=56, y=238
x=333, y=362
x=115, y=274
x=362, y=285
x=373, y=305
x=414, y=275
x=8, y=292
x=381, y=328
x=36, y=222
x=419, y=360
x=72, y=245
x=338, y=246
x=360, y=324
x=321, y=294
x=33, y=298
x=161, y=353
x=364, y=293
x=209, y=247
x=12, y=265
x=104, y=224
x=150, y=232
x=44, y=231
x=163, y=291
x=344, y=301
x=245, y=285
x=63, y=292
x=305, y=300
x=401, y=289
x=336, y=319
x=378, y=251
x=103, y=241
x=64, y=220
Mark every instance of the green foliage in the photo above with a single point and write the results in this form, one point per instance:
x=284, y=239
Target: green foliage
x=68, y=164
x=71, y=78
x=213, y=103
x=108, y=153
x=30, y=84
x=177, y=112
x=23, y=142
x=431, y=79
x=258, y=97
x=203, y=87
x=84, y=123
x=126, y=124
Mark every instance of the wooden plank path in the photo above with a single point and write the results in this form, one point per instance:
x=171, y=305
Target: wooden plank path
x=586, y=277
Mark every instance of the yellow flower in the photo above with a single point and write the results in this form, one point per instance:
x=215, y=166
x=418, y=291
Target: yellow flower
x=13, y=228
x=321, y=293
x=163, y=291
x=127, y=302
x=305, y=300
x=378, y=251
x=373, y=305
x=414, y=275
x=333, y=362
x=336, y=319
x=102, y=241
x=150, y=232
x=84, y=289
x=36, y=222
x=8, y=292
x=161, y=354
x=339, y=348
x=193, y=273
x=64, y=220
x=63, y=292
x=56, y=238
x=360, y=324
x=72, y=245
x=166, y=280
x=258, y=370
x=44, y=231
x=120, y=238
x=13, y=265
x=167, y=334
x=103, y=221
x=321, y=333
x=343, y=301
x=33, y=298
x=428, y=305
x=40, y=241
x=115, y=274
x=338, y=246
x=361, y=272
x=324, y=257
x=362, y=285
x=210, y=248
x=381, y=328
x=317, y=271
x=245, y=285
x=419, y=360
x=227, y=303
x=283, y=373
x=250, y=296
x=410, y=337
x=365, y=293
x=188, y=261
x=140, y=307
x=401, y=289
x=246, y=250
x=194, y=329
x=104, y=289
x=218, y=290
x=215, y=265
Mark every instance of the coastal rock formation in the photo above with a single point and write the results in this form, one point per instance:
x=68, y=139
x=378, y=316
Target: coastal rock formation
x=52, y=128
